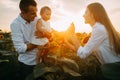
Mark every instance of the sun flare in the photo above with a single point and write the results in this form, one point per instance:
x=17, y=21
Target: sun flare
x=63, y=23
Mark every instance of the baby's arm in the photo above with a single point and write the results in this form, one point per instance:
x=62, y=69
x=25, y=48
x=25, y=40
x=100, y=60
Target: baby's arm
x=39, y=26
x=41, y=31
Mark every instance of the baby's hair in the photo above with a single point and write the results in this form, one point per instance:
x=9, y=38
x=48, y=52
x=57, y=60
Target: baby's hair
x=43, y=9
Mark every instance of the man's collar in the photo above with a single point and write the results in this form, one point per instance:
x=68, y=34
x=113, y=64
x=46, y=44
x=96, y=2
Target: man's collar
x=22, y=20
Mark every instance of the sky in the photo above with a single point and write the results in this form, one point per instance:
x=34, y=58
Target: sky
x=64, y=12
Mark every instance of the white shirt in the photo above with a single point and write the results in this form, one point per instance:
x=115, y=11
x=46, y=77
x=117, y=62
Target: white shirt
x=99, y=42
x=21, y=35
x=41, y=41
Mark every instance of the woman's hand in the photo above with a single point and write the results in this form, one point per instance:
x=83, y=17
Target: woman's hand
x=80, y=53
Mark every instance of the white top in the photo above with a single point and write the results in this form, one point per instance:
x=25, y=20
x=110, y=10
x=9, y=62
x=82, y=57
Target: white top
x=99, y=42
x=41, y=41
x=21, y=35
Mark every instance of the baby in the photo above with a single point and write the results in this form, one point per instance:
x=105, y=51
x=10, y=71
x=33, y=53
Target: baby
x=42, y=33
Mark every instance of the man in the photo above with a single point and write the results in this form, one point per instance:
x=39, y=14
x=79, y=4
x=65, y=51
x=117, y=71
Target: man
x=21, y=29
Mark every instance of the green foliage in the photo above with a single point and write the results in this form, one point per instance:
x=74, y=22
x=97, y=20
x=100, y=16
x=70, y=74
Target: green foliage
x=8, y=66
x=41, y=70
x=8, y=58
x=54, y=72
x=6, y=44
x=61, y=63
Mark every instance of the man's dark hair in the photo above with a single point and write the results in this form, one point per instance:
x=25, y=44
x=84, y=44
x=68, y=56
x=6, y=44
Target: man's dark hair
x=24, y=4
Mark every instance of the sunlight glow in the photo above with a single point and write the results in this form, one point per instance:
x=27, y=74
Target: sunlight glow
x=9, y=4
x=63, y=23
x=62, y=13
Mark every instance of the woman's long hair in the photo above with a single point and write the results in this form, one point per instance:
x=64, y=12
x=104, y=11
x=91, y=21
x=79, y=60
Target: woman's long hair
x=101, y=16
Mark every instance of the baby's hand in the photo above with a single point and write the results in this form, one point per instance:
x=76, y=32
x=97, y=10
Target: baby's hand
x=51, y=39
x=48, y=35
x=39, y=34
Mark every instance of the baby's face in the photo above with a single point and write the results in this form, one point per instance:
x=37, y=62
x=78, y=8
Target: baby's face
x=46, y=15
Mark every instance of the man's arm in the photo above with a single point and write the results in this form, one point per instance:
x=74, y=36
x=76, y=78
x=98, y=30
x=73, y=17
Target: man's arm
x=18, y=39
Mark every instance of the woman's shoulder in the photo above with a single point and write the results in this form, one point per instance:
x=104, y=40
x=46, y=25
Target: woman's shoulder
x=99, y=29
x=99, y=26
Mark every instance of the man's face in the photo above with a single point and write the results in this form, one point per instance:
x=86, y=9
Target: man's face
x=31, y=14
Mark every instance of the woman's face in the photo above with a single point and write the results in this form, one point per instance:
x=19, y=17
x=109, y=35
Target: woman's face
x=88, y=16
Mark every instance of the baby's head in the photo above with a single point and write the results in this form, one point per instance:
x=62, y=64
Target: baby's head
x=45, y=13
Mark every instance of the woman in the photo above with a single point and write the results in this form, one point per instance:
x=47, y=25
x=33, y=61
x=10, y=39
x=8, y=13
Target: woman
x=104, y=41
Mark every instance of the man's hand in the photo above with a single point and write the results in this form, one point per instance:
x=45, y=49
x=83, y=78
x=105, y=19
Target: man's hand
x=30, y=46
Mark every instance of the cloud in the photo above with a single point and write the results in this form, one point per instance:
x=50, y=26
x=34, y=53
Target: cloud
x=61, y=9
x=115, y=11
x=10, y=3
x=8, y=10
x=63, y=6
x=73, y=6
